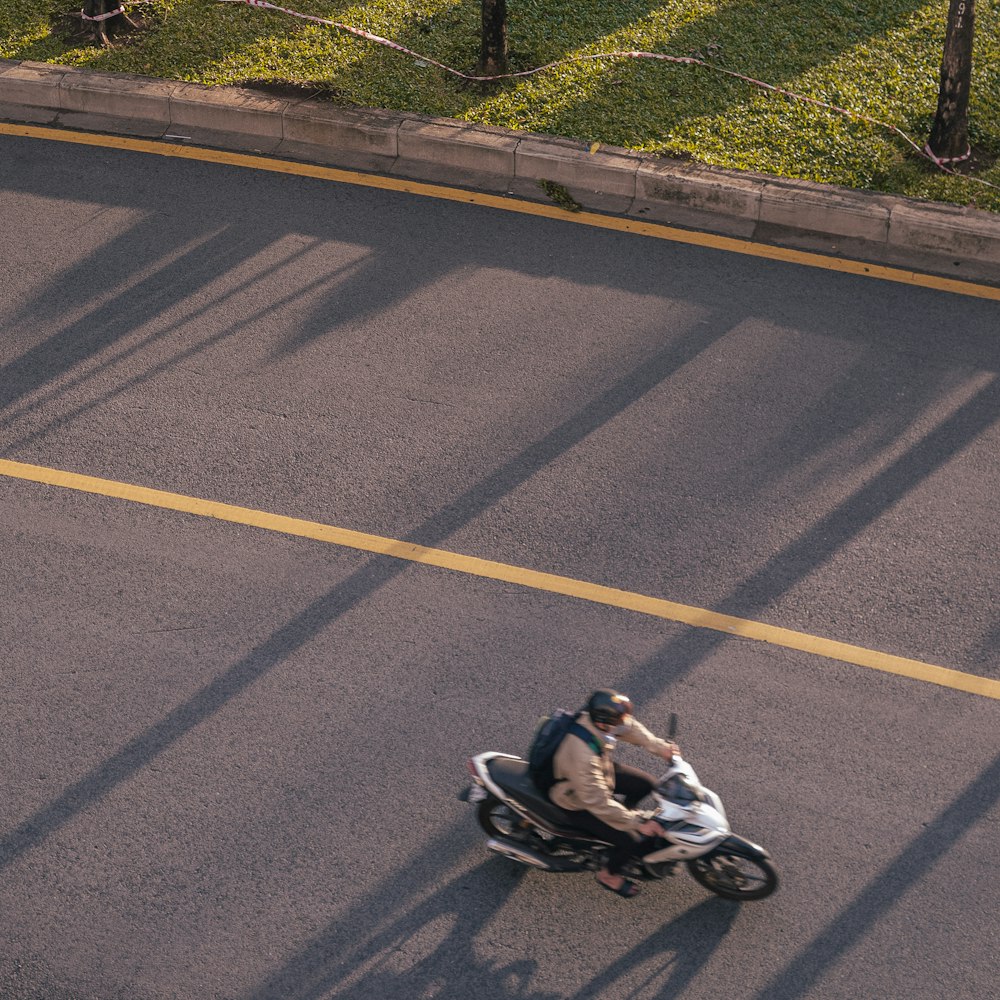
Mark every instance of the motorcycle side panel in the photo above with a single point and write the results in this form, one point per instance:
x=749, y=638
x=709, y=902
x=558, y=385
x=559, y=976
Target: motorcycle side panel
x=680, y=852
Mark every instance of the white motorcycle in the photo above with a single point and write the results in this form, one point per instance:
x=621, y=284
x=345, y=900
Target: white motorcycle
x=525, y=826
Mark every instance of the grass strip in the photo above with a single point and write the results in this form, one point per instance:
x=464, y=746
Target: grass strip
x=881, y=60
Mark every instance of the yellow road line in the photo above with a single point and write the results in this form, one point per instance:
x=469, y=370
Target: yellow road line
x=654, y=606
x=657, y=231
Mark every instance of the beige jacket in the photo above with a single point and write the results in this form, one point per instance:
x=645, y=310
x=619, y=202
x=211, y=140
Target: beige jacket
x=586, y=780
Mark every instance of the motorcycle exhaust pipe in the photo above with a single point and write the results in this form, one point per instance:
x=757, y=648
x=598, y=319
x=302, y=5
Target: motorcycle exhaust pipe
x=526, y=856
x=518, y=853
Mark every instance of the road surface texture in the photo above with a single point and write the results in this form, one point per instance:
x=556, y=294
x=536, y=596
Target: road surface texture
x=231, y=755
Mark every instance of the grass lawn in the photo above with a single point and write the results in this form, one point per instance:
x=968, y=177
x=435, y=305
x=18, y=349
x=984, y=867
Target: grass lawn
x=877, y=57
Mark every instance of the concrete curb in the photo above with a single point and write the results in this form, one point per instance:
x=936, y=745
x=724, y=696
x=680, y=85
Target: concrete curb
x=491, y=159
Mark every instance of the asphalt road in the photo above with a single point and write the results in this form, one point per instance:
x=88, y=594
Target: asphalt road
x=231, y=756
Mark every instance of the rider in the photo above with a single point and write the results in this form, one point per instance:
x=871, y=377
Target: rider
x=586, y=783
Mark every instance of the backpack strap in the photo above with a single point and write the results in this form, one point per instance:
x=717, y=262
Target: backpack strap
x=587, y=736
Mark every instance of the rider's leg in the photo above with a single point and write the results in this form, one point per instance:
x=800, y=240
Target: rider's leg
x=633, y=783
x=624, y=846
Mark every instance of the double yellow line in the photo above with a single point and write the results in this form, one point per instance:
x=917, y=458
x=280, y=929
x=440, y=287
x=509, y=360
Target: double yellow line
x=654, y=606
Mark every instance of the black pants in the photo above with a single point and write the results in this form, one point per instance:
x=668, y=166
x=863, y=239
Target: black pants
x=635, y=785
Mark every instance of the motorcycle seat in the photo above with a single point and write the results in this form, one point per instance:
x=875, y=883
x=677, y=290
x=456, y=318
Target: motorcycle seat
x=512, y=776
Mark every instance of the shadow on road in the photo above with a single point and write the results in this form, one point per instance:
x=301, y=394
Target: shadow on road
x=789, y=566
x=777, y=576
x=912, y=864
x=671, y=956
x=391, y=947
x=383, y=948
x=348, y=594
x=387, y=946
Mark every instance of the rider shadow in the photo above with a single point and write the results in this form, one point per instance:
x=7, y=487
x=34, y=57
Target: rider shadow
x=427, y=952
x=431, y=951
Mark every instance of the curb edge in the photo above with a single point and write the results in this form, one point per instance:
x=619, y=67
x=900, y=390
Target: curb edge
x=604, y=178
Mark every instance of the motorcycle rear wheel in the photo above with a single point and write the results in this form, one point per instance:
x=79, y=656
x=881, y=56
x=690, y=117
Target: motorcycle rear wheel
x=734, y=876
x=498, y=820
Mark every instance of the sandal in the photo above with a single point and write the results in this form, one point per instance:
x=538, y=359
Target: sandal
x=627, y=890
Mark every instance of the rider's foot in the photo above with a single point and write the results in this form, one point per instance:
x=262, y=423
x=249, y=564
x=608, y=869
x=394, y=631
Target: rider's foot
x=618, y=884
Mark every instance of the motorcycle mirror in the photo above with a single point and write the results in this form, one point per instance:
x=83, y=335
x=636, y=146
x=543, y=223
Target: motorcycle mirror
x=672, y=725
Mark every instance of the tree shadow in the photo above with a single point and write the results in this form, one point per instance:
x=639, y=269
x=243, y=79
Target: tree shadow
x=633, y=101
x=989, y=643
x=760, y=590
x=537, y=35
x=835, y=940
x=866, y=504
x=181, y=263
x=754, y=594
x=350, y=593
x=112, y=320
x=181, y=46
x=111, y=334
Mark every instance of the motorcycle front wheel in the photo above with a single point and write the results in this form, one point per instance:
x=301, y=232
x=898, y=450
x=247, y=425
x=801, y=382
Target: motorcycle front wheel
x=734, y=876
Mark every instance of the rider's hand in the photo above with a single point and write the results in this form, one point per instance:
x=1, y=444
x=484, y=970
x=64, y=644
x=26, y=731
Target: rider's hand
x=651, y=828
x=669, y=751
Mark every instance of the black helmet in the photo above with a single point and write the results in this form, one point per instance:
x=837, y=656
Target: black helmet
x=608, y=707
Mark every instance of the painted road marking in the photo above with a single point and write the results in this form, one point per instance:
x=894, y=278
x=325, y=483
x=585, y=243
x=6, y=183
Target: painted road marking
x=654, y=606
x=655, y=230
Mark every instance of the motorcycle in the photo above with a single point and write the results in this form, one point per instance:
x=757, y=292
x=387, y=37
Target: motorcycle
x=524, y=825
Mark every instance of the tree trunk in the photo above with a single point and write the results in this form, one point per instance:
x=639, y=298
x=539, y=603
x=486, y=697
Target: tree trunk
x=493, y=52
x=105, y=25
x=949, y=139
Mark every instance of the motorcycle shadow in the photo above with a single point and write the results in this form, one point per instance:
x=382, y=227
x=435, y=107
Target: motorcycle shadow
x=670, y=957
x=436, y=949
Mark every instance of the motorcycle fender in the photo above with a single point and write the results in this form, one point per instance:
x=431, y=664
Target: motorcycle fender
x=734, y=844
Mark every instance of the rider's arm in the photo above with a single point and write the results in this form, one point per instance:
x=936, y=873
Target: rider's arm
x=638, y=735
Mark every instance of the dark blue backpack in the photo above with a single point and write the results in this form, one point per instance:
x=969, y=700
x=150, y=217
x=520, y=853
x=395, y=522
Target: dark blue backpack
x=549, y=733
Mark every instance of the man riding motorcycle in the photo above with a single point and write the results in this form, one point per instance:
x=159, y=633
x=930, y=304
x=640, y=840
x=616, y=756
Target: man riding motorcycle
x=587, y=780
